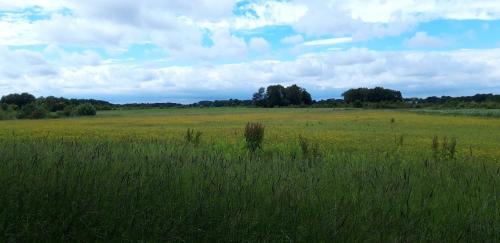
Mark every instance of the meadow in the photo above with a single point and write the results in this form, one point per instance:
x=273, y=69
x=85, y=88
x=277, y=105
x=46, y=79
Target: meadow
x=322, y=175
x=494, y=113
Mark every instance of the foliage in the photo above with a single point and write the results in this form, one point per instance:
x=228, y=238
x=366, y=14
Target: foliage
x=377, y=94
x=446, y=149
x=85, y=110
x=254, y=135
x=222, y=103
x=19, y=100
x=278, y=95
x=357, y=104
x=259, y=98
x=32, y=111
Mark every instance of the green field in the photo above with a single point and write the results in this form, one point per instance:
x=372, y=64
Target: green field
x=365, y=176
x=494, y=113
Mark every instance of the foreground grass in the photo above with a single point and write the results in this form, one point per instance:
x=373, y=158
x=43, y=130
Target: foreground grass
x=69, y=190
x=132, y=178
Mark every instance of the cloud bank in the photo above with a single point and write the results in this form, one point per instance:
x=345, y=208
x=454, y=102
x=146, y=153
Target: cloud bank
x=154, y=50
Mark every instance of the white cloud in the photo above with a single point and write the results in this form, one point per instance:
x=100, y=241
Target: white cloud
x=259, y=44
x=364, y=19
x=13, y=5
x=180, y=24
x=423, y=40
x=179, y=27
x=292, y=40
x=265, y=13
x=415, y=73
x=331, y=41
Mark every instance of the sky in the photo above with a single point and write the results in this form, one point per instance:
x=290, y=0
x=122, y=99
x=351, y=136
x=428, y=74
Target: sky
x=186, y=51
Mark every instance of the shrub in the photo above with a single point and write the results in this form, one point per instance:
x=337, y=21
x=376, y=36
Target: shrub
x=32, y=111
x=448, y=148
x=254, y=135
x=54, y=115
x=86, y=109
x=192, y=137
x=68, y=110
x=357, y=104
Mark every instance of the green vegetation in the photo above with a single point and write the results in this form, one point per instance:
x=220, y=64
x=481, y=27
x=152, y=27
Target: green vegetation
x=86, y=109
x=26, y=106
x=320, y=175
x=462, y=112
x=375, y=95
x=254, y=135
x=277, y=95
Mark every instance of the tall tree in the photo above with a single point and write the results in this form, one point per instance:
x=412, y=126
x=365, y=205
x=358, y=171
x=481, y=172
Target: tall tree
x=306, y=98
x=377, y=94
x=18, y=99
x=293, y=95
x=276, y=96
x=259, y=98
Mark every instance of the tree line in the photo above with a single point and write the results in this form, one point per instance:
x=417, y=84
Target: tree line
x=27, y=106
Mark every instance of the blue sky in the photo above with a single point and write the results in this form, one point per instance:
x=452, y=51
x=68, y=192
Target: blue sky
x=186, y=51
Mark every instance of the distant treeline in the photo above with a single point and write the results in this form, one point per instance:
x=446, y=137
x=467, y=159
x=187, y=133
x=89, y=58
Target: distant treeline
x=25, y=105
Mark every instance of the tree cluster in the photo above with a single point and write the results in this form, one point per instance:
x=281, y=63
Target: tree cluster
x=278, y=95
x=26, y=106
x=375, y=95
x=478, y=101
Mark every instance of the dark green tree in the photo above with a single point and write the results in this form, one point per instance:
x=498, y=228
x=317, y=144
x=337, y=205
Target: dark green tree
x=276, y=96
x=259, y=98
x=293, y=95
x=32, y=111
x=306, y=98
x=86, y=110
x=18, y=99
x=375, y=95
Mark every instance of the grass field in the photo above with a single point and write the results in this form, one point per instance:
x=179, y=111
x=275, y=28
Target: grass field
x=494, y=113
x=365, y=176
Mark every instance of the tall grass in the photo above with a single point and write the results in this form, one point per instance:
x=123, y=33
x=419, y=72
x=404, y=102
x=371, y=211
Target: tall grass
x=254, y=136
x=136, y=189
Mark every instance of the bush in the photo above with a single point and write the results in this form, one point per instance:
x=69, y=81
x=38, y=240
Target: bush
x=54, y=115
x=357, y=104
x=192, y=137
x=86, y=109
x=68, y=111
x=254, y=135
x=32, y=111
